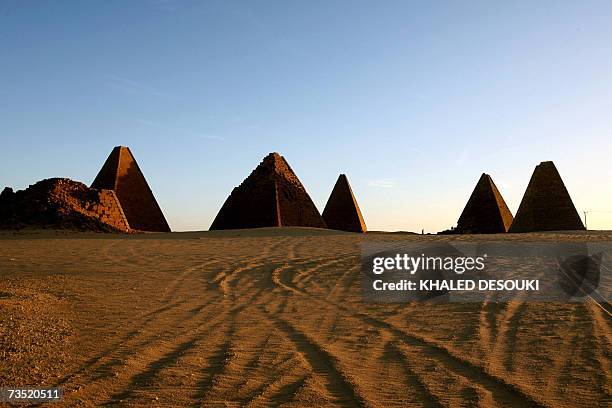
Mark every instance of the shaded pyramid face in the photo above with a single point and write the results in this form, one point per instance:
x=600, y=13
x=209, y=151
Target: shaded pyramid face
x=546, y=205
x=272, y=196
x=342, y=211
x=122, y=174
x=486, y=211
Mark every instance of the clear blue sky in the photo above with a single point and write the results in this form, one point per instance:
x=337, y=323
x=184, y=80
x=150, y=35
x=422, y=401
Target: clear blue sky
x=412, y=100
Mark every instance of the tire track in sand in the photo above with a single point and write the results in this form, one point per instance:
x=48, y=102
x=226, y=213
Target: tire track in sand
x=167, y=305
x=501, y=390
x=322, y=362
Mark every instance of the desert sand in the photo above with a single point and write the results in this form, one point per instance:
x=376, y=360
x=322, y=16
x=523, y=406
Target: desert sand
x=274, y=317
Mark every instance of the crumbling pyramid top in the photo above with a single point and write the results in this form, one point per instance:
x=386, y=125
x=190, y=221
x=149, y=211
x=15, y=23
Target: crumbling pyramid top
x=342, y=211
x=271, y=196
x=121, y=173
x=486, y=211
x=546, y=205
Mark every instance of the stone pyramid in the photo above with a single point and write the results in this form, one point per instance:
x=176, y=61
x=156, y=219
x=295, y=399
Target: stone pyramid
x=342, y=211
x=272, y=196
x=486, y=211
x=546, y=205
x=122, y=174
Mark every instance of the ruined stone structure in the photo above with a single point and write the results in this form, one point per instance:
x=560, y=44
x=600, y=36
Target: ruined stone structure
x=546, y=205
x=272, y=196
x=342, y=211
x=121, y=174
x=61, y=203
x=486, y=211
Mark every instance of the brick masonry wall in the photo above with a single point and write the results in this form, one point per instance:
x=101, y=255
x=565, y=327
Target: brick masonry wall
x=109, y=211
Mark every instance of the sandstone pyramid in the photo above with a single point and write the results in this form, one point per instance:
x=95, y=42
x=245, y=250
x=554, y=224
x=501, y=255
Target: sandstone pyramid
x=486, y=211
x=272, y=196
x=342, y=211
x=546, y=205
x=122, y=174
x=61, y=203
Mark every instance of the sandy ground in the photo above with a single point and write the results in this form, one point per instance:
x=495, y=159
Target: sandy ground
x=275, y=317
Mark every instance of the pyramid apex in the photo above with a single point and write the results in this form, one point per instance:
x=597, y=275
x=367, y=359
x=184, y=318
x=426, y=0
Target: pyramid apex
x=547, y=164
x=120, y=149
x=273, y=155
x=273, y=158
x=547, y=167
